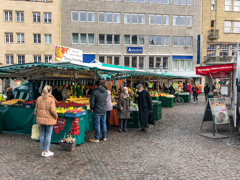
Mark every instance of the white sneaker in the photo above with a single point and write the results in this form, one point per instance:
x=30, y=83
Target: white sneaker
x=49, y=154
x=193, y=102
x=43, y=154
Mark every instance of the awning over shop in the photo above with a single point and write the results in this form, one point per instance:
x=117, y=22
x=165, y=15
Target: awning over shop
x=218, y=70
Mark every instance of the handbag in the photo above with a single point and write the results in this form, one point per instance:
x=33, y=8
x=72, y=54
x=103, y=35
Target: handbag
x=198, y=91
x=35, y=132
x=151, y=119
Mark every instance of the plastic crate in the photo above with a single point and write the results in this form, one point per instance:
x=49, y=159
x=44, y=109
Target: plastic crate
x=155, y=98
x=133, y=123
x=75, y=114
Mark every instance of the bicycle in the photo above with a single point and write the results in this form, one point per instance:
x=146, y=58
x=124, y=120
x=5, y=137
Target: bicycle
x=178, y=100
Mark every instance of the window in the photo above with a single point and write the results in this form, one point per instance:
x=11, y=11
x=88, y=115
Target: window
x=47, y=17
x=101, y=17
x=109, y=17
x=151, y=40
x=175, y=2
x=116, y=60
x=20, y=16
x=142, y=40
x=182, y=41
x=75, y=38
x=141, y=1
x=116, y=39
x=37, y=59
x=175, y=41
x=48, y=58
x=237, y=5
x=134, y=18
x=109, y=60
x=109, y=39
x=91, y=39
x=234, y=50
x=127, y=39
x=189, y=20
x=83, y=16
x=83, y=38
x=236, y=26
x=151, y=19
x=151, y=1
x=101, y=39
x=36, y=17
x=102, y=59
x=134, y=39
x=224, y=50
x=182, y=2
x=36, y=38
x=188, y=65
x=158, y=62
x=126, y=0
x=141, y=18
x=227, y=26
x=174, y=65
x=48, y=39
x=175, y=20
x=9, y=59
x=211, y=50
x=181, y=65
x=74, y=15
x=21, y=59
x=165, y=62
x=117, y=18
x=134, y=61
x=213, y=5
x=158, y=40
x=189, y=41
x=159, y=19
x=141, y=62
x=151, y=62
x=165, y=1
x=165, y=19
x=20, y=38
x=165, y=40
x=9, y=37
x=134, y=0
x=189, y=2
x=213, y=25
x=127, y=61
x=228, y=5
x=91, y=17
x=126, y=18
x=8, y=15
x=182, y=21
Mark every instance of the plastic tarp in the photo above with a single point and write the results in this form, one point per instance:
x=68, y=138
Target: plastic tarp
x=217, y=70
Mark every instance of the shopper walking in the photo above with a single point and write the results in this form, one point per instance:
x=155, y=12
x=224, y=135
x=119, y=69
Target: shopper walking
x=98, y=105
x=206, y=91
x=195, y=94
x=109, y=108
x=10, y=94
x=145, y=106
x=189, y=89
x=46, y=116
x=65, y=93
x=123, y=111
x=171, y=90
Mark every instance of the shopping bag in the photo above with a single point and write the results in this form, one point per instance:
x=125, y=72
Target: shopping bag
x=151, y=119
x=198, y=91
x=36, y=132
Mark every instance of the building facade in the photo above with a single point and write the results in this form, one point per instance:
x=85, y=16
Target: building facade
x=151, y=35
x=29, y=29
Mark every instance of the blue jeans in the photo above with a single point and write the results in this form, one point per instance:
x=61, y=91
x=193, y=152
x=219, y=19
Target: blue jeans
x=45, y=137
x=108, y=119
x=100, y=119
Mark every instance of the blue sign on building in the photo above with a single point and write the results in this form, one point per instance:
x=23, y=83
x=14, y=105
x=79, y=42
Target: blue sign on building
x=134, y=50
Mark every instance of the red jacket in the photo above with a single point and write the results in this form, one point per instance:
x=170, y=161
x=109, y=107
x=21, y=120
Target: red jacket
x=189, y=88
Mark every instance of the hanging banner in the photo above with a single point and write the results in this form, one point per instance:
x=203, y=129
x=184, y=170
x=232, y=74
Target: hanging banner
x=65, y=54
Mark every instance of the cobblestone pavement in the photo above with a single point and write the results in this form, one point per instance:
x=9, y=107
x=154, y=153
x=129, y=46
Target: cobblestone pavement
x=172, y=150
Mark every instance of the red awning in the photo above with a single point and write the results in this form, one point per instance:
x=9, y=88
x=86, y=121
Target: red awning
x=220, y=70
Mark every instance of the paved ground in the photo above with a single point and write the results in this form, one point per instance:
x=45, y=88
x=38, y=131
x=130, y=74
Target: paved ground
x=172, y=150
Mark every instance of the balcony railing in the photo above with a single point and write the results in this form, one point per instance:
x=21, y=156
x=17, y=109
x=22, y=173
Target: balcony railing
x=217, y=59
x=213, y=34
x=45, y=1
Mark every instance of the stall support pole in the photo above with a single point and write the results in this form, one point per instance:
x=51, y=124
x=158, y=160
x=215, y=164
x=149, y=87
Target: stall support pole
x=131, y=82
x=158, y=83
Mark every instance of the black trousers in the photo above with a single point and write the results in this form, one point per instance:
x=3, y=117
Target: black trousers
x=144, y=125
x=206, y=96
x=195, y=98
x=122, y=124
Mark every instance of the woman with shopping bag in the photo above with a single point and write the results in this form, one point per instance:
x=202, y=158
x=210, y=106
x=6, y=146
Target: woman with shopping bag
x=46, y=116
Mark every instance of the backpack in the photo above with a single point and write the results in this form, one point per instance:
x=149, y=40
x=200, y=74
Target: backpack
x=151, y=119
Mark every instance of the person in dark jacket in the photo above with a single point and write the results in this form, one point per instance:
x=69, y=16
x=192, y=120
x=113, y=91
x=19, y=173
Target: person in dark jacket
x=57, y=94
x=123, y=111
x=214, y=86
x=195, y=95
x=10, y=94
x=144, y=105
x=171, y=89
x=87, y=91
x=98, y=105
x=206, y=91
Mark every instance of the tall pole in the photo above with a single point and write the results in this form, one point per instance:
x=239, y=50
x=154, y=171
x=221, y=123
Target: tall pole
x=131, y=82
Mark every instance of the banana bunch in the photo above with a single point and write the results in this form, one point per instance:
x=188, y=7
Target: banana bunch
x=11, y=102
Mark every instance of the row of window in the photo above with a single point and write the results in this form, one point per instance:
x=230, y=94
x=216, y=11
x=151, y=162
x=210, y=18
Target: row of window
x=230, y=5
x=110, y=17
x=21, y=59
x=114, y=39
x=221, y=50
x=174, y=2
x=232, y=26
x=8, y=16
x=21, y=39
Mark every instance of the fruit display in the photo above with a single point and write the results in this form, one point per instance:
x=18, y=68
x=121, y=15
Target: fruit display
x=11, y=102
x=74, y=111
x=133, y=105
x=154, y=93
x=67, y=104
x=70, y=110
x=30, y=102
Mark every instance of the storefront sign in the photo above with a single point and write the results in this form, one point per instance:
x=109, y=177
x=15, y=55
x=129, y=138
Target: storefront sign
x=134, y=50
x=206, y=70
x=67, y=54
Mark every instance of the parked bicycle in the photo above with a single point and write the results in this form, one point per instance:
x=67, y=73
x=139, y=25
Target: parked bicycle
x=178, y=100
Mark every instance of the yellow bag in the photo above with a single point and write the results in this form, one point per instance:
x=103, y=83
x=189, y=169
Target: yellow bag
x=36, y=132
